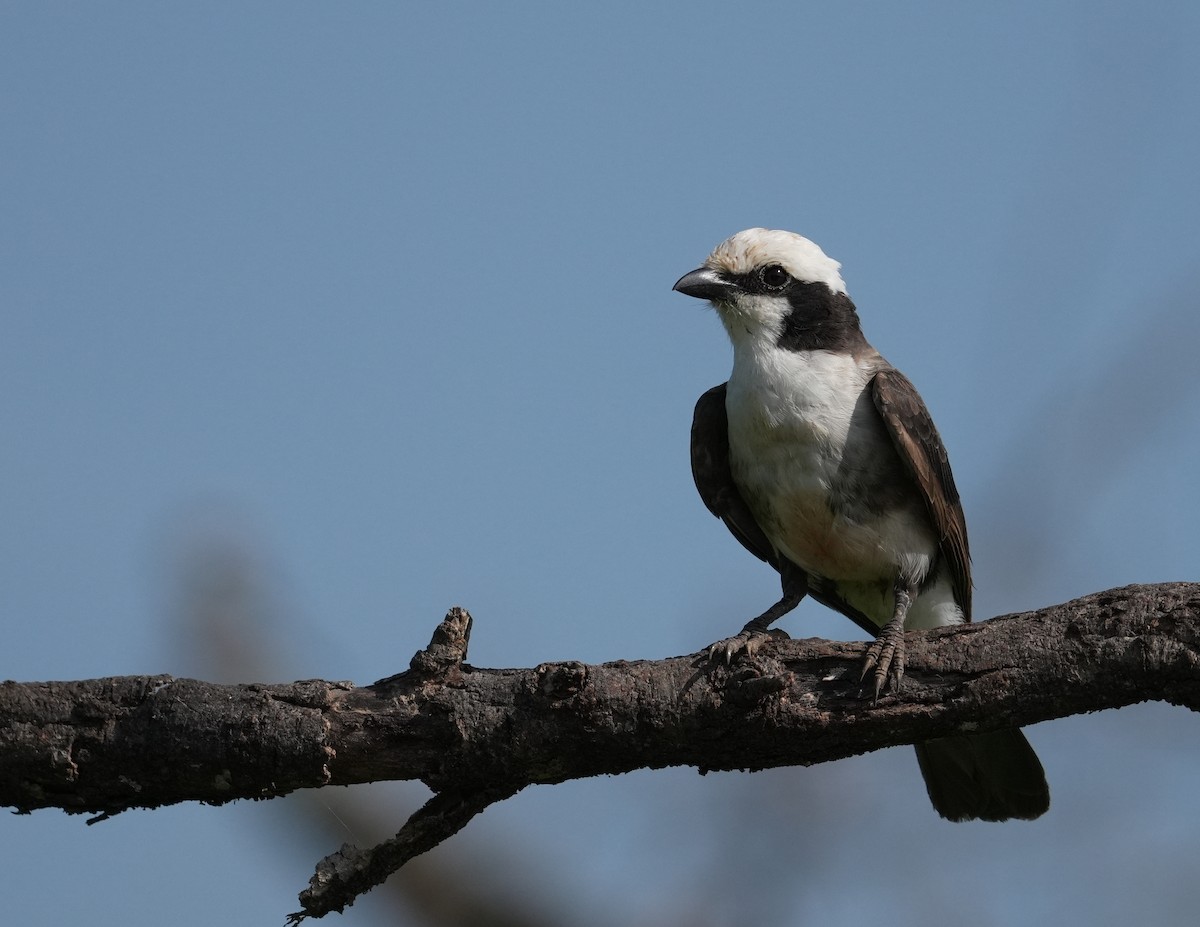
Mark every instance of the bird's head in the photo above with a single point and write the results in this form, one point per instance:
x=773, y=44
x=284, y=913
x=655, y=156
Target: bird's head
x=763, y=282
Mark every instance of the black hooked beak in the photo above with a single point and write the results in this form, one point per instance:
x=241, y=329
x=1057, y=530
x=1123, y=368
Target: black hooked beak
x=706, y=283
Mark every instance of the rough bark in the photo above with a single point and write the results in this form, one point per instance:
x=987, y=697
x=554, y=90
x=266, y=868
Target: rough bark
x=476, y=736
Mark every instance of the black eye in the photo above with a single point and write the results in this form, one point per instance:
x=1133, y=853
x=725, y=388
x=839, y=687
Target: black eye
x=774, y=277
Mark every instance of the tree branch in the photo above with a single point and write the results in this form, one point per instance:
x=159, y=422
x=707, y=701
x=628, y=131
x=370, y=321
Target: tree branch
x=476, y=736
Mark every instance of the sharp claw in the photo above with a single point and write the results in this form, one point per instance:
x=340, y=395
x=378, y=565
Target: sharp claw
x=722, y=651
x=743, y=645
x=884, y=661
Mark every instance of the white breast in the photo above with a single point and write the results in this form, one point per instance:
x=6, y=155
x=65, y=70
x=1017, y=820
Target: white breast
x=790, y=417
x=808, y=452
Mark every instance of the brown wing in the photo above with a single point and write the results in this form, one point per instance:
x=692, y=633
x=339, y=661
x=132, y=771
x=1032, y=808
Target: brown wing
x=920, y=447
x=714, y=479
x=714, y=476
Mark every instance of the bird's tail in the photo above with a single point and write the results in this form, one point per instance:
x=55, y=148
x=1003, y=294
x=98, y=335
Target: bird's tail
x=988, y=777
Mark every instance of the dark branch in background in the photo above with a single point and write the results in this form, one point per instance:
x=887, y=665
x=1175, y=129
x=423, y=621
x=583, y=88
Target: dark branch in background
x=231, y=627
x=476, y=736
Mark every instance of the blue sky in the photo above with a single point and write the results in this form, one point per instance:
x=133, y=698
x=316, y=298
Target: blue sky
x=367, y=306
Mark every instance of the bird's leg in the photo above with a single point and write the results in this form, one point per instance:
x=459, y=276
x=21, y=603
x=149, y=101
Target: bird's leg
x=756, y=632
x=884, y=659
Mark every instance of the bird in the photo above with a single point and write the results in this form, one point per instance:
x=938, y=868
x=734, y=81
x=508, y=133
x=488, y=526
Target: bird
x=822, y=460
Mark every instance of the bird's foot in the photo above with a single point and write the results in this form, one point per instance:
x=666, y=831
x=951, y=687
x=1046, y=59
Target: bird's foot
x=743, y=645
x=884, y=660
